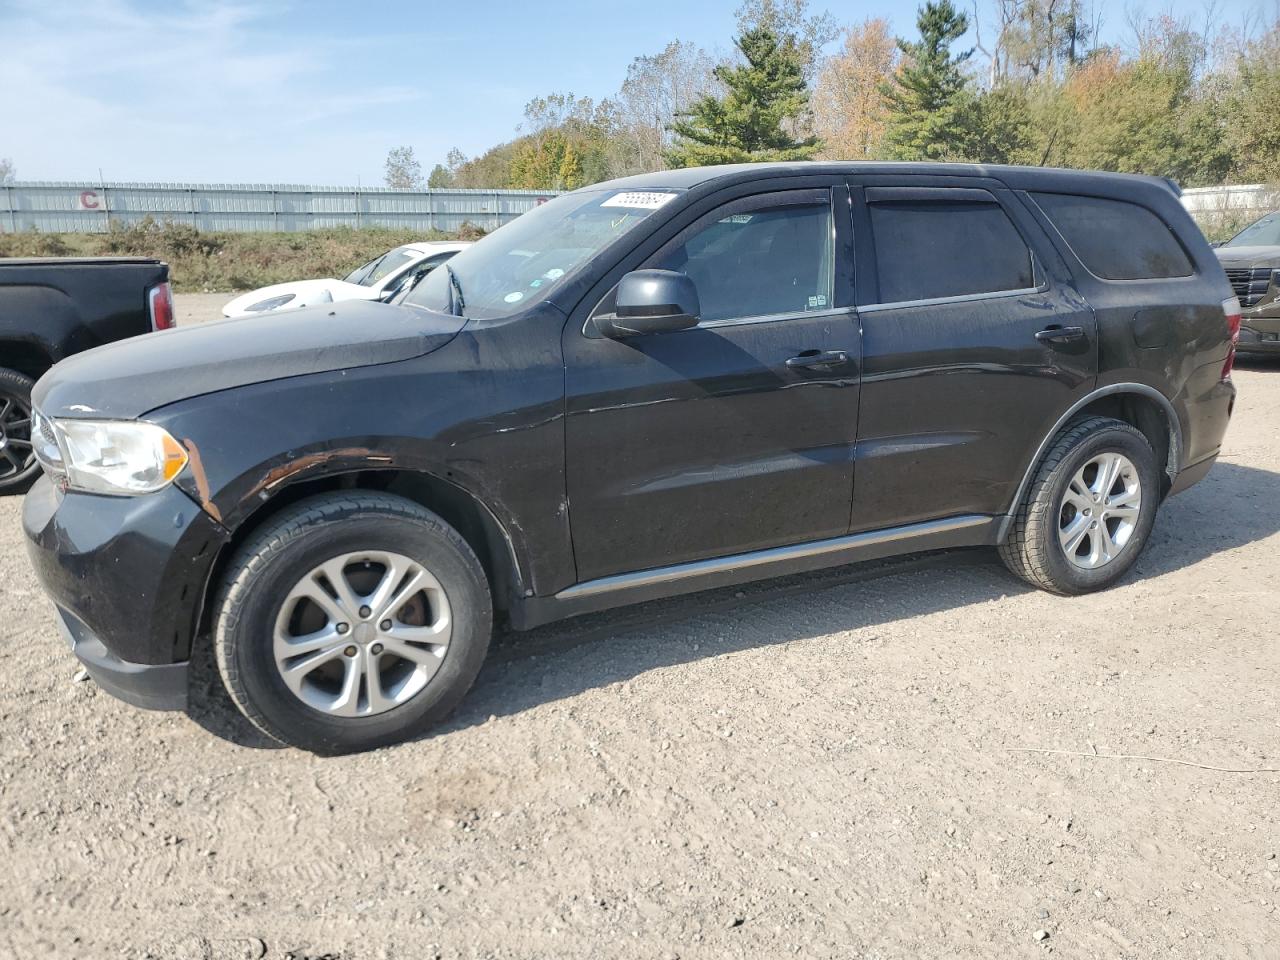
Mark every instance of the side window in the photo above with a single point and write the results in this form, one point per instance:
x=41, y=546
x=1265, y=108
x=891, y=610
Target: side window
x=1114, y=239
x=936, y=248
x=759, y=261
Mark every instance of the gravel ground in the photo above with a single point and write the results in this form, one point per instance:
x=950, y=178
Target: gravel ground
x=822, y=767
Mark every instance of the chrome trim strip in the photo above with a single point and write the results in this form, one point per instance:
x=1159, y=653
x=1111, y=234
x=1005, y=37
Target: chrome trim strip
x=962, y=298
x=1175, y=430
x=757, y=558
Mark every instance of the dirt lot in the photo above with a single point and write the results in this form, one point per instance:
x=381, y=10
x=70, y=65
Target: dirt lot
x=818, y=767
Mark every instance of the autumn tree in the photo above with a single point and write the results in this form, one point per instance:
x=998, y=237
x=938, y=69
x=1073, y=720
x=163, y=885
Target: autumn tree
x=403, y=171
x=850, y=113
x=764, y=94
x=657, y=89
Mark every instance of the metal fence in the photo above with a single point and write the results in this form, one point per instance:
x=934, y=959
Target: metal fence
x=65, y=207
x=1229, y=206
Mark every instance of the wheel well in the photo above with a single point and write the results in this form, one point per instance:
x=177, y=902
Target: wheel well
x=25, y=358
x=473, y=521
x=1149, y=417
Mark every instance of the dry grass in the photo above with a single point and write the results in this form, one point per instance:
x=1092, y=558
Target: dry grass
x=226, y=262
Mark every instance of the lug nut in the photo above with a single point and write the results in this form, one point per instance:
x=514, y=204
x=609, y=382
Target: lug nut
x=365, y=611
x=385, y=626
x=344, y=627
x=376, y=648
x=349, y=651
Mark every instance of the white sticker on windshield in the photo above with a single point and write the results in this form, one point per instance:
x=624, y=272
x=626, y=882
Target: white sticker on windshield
x=639, y=200
x=555, y=273
x=514, y=297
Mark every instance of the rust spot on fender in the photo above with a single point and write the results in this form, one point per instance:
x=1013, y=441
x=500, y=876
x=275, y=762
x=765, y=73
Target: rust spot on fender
x=201, y=478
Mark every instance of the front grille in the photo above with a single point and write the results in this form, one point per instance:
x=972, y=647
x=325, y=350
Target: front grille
x=1250, y=284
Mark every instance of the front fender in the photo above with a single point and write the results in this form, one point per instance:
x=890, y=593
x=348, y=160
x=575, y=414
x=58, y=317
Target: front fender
x=422, y=416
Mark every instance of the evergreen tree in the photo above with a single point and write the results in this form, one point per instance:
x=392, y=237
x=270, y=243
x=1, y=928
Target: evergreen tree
x=765, y=98
x=927, y=97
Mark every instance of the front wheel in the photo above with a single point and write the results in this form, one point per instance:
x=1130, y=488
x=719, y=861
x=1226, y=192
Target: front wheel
x=1089, y=510
x=352, y=621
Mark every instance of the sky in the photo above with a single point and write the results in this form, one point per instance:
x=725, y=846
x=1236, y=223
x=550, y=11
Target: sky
x=317, y=92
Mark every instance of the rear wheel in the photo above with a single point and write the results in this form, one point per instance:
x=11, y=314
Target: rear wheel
x=18, y=466
x=352, y=621
x=1089, y=510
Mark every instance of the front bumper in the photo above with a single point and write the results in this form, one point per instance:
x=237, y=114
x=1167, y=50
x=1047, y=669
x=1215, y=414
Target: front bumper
x=1260, y=329
x=127, y=577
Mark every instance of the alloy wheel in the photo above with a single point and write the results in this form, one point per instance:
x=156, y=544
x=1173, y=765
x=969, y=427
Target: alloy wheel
x=1099, y=510
x=362, y=633
x=16, y=453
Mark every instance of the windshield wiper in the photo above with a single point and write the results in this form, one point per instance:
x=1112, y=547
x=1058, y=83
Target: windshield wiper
x=455, y=289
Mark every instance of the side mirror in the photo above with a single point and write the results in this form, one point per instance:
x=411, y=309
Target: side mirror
x=651, y=301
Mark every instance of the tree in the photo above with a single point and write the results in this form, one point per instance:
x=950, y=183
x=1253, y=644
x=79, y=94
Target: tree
x=762, y=95
x=403, y=172
x=657, y=89
x=441, y=178
x=926, y=97
x=849, y=110
x=791, y=18
x=7, y=170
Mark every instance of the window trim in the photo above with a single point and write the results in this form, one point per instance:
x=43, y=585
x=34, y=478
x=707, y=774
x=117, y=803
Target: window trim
x=1032, y=195
x=921, y=194
x=1043, y=287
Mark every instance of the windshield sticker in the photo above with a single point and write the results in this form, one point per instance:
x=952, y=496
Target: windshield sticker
x=514, y=297
x=535, y=284
x=638, y=200
x=555, y=273
x=817, y=303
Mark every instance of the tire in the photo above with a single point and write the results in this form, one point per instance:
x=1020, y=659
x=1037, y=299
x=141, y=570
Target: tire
x=18, y=466
x=269, y=592
x=1053, y=511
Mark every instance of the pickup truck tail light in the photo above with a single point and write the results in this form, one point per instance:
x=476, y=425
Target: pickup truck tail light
x=160, y=301
x=1231, y=309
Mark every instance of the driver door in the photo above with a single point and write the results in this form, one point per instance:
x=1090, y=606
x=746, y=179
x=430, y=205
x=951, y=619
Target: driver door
x=734, y=435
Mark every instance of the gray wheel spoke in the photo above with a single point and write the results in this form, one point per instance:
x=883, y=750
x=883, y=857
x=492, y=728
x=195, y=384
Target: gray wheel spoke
x=387, y=656
x=1073, y=534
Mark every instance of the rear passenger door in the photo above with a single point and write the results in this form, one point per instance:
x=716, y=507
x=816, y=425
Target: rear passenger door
x=973, y=339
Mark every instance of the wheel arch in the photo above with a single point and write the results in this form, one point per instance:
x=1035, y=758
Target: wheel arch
x=1137, y=404
x=29, y=358
x=467, y=513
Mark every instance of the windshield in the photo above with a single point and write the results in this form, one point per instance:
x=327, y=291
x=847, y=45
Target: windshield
x=1263, y=233
x=525, y=260
x=380, y=267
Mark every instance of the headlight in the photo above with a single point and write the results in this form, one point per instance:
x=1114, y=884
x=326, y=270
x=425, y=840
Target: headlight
x=114, y=457
x=270, y=304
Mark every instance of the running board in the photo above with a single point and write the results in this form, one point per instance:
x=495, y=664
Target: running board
x=624, y=588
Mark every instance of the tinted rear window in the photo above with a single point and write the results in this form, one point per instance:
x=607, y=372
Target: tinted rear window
x=928, y=249
x=1114, y=239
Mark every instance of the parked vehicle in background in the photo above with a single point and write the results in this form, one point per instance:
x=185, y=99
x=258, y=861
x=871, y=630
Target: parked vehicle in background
x=647, y=387
x=382, y=278
x=1252, y=261
x=52, y=308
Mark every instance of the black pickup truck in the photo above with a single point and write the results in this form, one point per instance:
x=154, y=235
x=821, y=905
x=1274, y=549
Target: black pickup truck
x=52, y=308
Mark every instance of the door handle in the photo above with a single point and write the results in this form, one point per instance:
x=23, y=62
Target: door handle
x=1058, y=334
x=811, y=359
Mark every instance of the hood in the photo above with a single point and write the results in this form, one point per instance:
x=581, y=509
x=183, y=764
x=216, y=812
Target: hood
x=1248, y=256
x=303, y=290
x=126, y=379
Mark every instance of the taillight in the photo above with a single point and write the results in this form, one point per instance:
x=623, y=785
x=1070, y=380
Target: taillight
x=1231, y=309
x=160, y=300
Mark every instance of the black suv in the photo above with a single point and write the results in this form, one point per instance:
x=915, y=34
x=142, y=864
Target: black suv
x=646, y=387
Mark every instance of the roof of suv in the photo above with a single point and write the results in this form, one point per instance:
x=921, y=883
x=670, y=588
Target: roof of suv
x=1020, y=178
